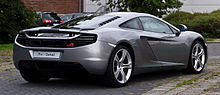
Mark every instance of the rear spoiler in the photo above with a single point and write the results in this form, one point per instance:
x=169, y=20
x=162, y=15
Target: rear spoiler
x=52, y=30
x=33, y=34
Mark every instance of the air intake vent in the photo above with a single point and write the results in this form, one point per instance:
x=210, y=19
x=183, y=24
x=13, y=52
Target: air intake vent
x=110, y=20
x=81, y=40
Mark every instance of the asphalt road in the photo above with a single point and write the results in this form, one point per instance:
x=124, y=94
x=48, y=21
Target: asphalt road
x=12, y=83
x=214, y=52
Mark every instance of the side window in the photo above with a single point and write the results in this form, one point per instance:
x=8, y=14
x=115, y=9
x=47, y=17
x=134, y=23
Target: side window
x=133, y=24
x=154, y=25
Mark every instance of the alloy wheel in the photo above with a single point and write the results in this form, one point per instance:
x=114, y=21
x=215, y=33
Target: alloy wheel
x=122, y=66
x=198, y=57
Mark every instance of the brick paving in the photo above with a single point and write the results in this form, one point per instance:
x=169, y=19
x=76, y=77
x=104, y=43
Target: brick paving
x=209, y=78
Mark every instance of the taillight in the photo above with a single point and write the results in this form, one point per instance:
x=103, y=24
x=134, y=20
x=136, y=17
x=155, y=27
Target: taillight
x=47, y=21
x=76, y=63
x=61, y=21
x=70, y=45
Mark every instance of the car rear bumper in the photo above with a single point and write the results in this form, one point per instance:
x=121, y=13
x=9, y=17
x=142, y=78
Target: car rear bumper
x=93, y=58
x=53, y=69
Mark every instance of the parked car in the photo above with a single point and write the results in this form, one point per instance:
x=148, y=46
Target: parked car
x=68, y=17
x=115, y=45
x=101, y=10
x=48, y=19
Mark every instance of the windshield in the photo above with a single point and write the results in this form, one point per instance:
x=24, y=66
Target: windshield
x=85, y=22
x=66, y=17
x=51, y=16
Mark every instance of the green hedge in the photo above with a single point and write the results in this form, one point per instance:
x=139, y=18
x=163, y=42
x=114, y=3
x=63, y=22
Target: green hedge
x=14, y=16
x=208, y=24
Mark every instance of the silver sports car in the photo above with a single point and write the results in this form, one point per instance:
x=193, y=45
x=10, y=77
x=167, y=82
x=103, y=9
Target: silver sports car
x=115, y=45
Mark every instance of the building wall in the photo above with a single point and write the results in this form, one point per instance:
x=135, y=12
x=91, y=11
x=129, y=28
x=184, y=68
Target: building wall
x=200, y=5
x=188, y=5
x=72, y=6
x=90, y=6
x=58, y=6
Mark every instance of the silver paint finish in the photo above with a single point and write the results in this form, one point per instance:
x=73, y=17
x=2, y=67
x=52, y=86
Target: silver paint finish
x=169, y=50
x=93, y=58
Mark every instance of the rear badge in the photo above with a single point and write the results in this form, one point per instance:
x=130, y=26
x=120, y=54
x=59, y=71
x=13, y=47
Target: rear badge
x=70, y=45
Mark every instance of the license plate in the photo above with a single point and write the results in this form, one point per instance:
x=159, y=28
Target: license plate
x=46, y=54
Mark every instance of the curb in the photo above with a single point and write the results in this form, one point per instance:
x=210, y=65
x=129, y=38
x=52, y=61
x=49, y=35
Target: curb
x=213, y=42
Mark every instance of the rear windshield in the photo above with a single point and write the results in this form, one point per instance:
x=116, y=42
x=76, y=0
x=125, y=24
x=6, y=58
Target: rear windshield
x=51, y=16
x=85, y=21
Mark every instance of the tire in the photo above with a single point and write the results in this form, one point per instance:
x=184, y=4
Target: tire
x=197, y=59
x=33, y=77
x=120, y=68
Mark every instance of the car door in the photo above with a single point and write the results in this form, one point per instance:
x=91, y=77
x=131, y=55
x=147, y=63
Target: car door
x=144, y=52
x=166, y=44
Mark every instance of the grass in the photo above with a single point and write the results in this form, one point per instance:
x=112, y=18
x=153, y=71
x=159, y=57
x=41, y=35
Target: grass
x=190, y=81
x=214, y=63
x=206, y=90
x=210, y=88
x=212, y=75
x=6, y=49
x=1, y=60
x=209, y=39
x=209, y=77
x=212, y=39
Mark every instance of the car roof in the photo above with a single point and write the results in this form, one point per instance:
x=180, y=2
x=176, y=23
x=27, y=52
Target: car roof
x=135, y=14
x=129, y=14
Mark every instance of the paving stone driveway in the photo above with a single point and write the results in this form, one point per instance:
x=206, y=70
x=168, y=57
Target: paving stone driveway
x=192, y=84
x=12, y=83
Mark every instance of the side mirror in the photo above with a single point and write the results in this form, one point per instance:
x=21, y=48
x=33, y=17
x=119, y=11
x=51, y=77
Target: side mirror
x=182, y=27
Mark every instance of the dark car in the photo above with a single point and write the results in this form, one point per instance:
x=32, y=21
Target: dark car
x=101, y=10
x=68, y=17
x=48, y=19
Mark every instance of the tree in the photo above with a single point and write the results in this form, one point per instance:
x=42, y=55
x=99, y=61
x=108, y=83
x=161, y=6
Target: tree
x=154, y=7
x=14, y=16
x=119, y=5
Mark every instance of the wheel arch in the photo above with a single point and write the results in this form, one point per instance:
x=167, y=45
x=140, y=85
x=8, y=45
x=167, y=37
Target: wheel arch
x=201, y=40
x=203, y=43
x=126, y=44
x=129, y=46
x=109, y=77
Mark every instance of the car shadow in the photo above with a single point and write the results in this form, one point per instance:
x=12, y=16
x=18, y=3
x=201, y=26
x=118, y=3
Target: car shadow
x=96, y=82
